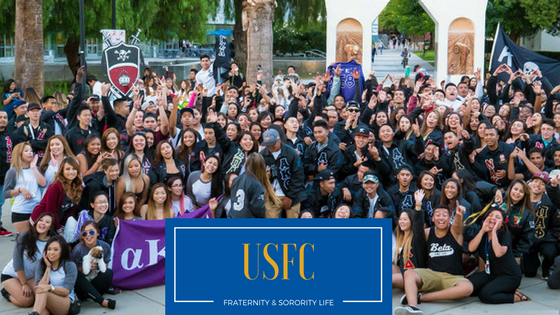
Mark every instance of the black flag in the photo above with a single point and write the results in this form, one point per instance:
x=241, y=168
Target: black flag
x=222, y=64
x=519, y=58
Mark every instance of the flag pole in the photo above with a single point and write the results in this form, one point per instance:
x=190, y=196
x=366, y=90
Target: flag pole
x=494, y=45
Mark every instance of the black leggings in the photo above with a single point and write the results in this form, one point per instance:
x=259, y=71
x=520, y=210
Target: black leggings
x=94, y=289
x=494, y=290
x=530, y=262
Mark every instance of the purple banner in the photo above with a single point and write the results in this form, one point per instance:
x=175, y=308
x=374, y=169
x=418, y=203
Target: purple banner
x=139, y=251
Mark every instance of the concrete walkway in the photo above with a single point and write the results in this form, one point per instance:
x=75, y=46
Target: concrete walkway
x=151, y=301
x=390, y=63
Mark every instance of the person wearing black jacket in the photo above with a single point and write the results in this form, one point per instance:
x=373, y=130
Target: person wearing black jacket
x=231, y=154
x=371, y=198
x=248, y=192
x=286, y=175
x=544, y=208
x=77, y=135
x=402, y=193
x=544, y=141
x=34, y=131
x=395, y=153
x=104, y=181
x=457, y=155
x=322, y=154
x=116, y=117
x=352, y=184
x=322, y=198
x=495, y=156
x=497, y=282
x=53, y=116
x=7, y=145
x=362, y=153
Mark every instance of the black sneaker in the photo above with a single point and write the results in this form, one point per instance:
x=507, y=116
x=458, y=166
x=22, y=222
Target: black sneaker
x=6, y=294
x=404, y=300
x=545, y=275
x=407, y=310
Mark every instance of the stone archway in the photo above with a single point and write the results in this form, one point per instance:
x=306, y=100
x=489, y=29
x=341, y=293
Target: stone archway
x=442, y=12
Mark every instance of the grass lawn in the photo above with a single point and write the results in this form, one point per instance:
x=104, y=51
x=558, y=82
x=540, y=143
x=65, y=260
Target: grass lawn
x=430, y=56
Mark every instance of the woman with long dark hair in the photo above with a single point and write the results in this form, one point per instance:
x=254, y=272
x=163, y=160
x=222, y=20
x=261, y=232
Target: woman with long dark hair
x=99, y=281
x=111, y=145
x=520, y=217
x=432, y=196
x=166, y=165
x=139, y=146
x=206, y=184
x=90, y=159
x=127, y=210
x=499, y=275
x=10, y=96
x=186, y=151
x=55, y=278
x=18, y=277
x=221, y=208
x=63, y=195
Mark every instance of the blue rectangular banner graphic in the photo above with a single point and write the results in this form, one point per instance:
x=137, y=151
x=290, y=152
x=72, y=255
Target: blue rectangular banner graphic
x=278, y=266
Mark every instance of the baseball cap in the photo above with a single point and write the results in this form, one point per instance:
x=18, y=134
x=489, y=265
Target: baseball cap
x=186, y=110
x=95, y=98
x=146, y=104
x=361, y=131
x=18, y=103
x=325, y=175
x=270, y=137
x=543, y=176
x=33, y=106
x=353, y=104
x=370, y=177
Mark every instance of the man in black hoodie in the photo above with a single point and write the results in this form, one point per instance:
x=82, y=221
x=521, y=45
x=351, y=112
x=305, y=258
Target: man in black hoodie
x=286, y=175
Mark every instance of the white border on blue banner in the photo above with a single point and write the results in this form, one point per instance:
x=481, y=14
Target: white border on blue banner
x=263, y=228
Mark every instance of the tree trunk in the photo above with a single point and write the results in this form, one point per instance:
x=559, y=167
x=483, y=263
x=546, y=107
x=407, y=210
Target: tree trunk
x=71, y=50
x=258, y=22
x=29, y=45
x=240, y=38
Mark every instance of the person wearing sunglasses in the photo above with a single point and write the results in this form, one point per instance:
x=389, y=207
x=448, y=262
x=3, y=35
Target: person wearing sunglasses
x=344, y=129
x=99, y=285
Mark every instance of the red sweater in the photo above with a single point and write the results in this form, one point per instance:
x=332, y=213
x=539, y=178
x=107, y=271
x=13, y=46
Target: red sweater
x=51, y=203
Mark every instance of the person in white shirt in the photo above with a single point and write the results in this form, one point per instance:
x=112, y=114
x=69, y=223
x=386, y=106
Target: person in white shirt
x=205, y=77
x=95, y=85
x=451, y=97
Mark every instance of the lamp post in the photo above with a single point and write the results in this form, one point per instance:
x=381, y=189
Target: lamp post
x=114, y=14
x=83, y=44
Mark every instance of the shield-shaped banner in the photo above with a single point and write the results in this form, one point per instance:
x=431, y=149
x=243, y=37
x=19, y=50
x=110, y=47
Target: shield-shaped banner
x=122, y=63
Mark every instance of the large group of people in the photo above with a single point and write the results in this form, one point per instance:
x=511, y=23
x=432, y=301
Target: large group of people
x=467, y=171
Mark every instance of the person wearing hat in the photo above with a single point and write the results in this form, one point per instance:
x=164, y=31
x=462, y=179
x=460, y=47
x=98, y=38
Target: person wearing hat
x=35, y=131
x=186, y=115
x=358, y=154
x=149, y=106
x=20, y=109
x=343, y=129
x=545, y=209
x=371, y=198
x=323, y=153
x=321, y=196
x=286, y=175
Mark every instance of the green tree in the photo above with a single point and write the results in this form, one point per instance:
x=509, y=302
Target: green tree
x=406, y=17
x=522, y=17
x=158, y=19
